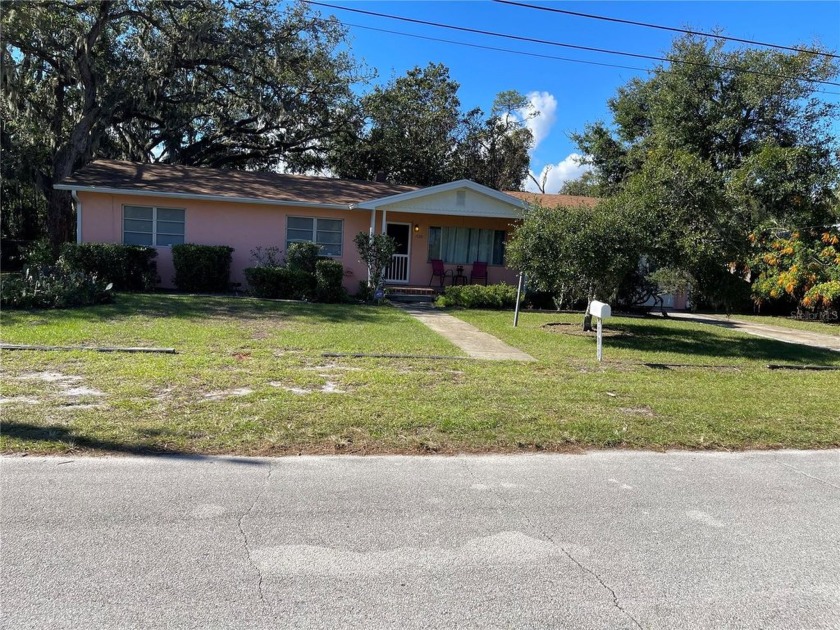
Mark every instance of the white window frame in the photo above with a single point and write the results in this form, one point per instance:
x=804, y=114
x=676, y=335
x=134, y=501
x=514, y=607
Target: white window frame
x=154, y=223
x=315, y=234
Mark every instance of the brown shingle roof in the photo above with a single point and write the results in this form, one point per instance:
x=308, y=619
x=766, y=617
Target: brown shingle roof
x=191, y=180
x=555, y=201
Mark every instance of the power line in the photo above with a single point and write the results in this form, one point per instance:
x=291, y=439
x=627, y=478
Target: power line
x=505, y=50
x=562, y=44
x=511, y=51
x=666, y=28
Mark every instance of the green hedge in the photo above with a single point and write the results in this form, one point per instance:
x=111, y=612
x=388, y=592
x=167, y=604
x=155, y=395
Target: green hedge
x=281, y=283
x=302, y=256
x=53, y=287
x=496, y=296
x=202, y=268
x=127, y=267
x=329, y=274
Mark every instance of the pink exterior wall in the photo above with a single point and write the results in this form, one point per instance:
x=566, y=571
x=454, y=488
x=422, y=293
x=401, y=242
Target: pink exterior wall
x=421, y=268
x=246, y=226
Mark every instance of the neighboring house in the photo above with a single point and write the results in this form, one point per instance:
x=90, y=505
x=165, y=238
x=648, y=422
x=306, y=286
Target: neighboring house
x=162, y=205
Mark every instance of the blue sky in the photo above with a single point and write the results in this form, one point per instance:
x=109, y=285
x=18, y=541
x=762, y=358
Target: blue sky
x=568, y=94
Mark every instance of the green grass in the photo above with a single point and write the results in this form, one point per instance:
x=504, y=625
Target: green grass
x=825, y=328
x=249, y=378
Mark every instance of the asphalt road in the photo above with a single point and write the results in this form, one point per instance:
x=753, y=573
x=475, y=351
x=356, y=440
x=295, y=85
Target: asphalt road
x=602, y=540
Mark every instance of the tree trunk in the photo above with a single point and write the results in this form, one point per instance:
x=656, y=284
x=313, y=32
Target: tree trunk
x=587, y=317
x=59, y=218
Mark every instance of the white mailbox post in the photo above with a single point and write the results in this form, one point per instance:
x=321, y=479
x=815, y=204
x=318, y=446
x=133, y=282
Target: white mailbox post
x=600, y=311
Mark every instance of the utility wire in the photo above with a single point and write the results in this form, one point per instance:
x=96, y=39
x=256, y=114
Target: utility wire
x=563, y=45
x=665, y=28
x=510, y=50
x=504, y=50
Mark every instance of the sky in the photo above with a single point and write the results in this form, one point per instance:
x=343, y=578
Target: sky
x=568, y=94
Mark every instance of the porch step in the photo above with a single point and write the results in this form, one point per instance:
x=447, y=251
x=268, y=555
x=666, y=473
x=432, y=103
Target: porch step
x=411, y=294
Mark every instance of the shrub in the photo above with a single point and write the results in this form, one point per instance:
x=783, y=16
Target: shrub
x=39, y=254
x=376, y=252
x=302, y=256
x=202, y=268
x=127, y=267
x=801, y=269
x=13, y=254
x=280, y=283
x=329, y=274
x=365, y=292
x=267, y=256
x=53, y=287
x=496, y=296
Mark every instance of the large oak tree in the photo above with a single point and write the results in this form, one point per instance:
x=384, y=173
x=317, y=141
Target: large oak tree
x=199, y=82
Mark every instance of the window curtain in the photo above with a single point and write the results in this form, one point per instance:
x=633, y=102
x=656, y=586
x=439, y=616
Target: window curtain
x=466, y=245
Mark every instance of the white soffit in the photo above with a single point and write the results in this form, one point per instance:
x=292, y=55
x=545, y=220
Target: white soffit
x=475, y=200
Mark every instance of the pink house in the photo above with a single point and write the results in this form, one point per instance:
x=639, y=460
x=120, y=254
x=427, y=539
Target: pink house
x=161, y=205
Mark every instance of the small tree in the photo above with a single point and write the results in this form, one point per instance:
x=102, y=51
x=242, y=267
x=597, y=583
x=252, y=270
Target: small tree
x=576, y=253
x=375, y=251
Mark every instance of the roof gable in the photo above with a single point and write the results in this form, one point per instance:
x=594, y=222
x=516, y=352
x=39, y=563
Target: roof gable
x=459, y=198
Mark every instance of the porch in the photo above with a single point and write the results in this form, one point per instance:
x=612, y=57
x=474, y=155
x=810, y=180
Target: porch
x=449, y=234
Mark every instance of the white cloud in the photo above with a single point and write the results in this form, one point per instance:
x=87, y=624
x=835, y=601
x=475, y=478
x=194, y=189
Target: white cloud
x=565, y=170
x=545, y=106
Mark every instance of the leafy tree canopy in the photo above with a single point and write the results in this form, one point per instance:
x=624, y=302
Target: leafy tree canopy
x=576, y=253
x=715, y=144
x=199, y=82
x=412, y=131
x=584, y=186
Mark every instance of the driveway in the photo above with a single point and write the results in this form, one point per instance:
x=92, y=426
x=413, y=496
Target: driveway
x=787, y=335
x=601, y=540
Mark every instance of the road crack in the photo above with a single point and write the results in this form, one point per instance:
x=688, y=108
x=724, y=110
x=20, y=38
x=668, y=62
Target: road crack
x=245, y=540
x=565, y=551
x=804, y=474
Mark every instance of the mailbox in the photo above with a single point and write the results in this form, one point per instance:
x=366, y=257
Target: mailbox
x=599, y=309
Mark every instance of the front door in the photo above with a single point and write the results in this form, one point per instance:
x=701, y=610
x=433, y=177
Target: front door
x=398, y=270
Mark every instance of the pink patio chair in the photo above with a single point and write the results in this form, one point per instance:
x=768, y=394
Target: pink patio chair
x=479, y=272
x=439, y=271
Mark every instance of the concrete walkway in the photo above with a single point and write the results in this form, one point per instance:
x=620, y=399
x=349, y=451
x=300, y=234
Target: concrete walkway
x=787, y=335
x=477, y=344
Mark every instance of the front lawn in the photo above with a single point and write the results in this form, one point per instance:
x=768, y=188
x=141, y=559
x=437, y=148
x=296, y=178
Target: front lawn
x=249, y=378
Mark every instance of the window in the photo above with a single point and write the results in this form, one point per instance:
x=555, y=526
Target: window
x=328, y=233
x=143, y=225
x=466, y=245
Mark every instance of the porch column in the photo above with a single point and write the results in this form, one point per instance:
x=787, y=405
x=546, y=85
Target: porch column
x=384, y=219
x=372, y=221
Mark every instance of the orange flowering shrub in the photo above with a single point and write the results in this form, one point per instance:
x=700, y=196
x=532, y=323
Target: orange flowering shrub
x=803, y=267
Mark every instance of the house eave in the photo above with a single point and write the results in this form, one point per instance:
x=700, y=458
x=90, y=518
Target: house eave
x=200, y=197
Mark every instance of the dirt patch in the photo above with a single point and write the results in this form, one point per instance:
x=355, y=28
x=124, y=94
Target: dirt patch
x=230, y=393
x=18, y=400
x=330, y=387
x=82, y=391
x=329, y=367
x=69, y=386
x=49, y=377
x=163, y=394
x=637, y=411
x=576, y=330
